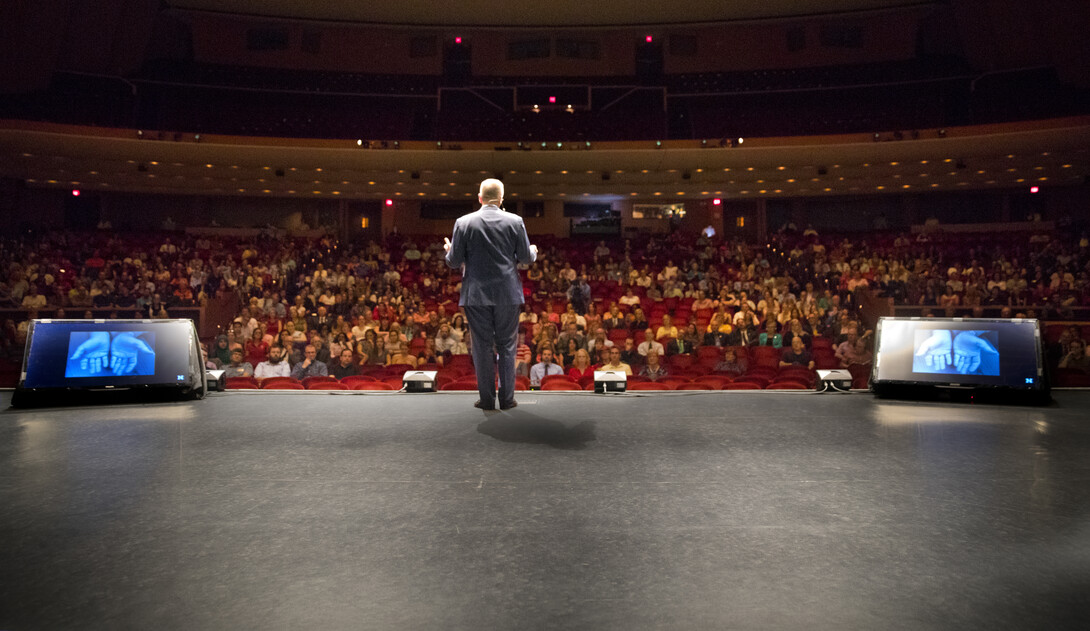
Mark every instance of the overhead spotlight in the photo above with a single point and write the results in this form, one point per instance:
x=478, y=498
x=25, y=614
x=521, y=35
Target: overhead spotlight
x=458, y=40
x=717, y=202
x=649, y=39
x=552, y=99
x=75, y=192
x=1032, y=189
x=389, y=202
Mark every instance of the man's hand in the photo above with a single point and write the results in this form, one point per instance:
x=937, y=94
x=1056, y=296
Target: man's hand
x=93, y=351
x=446, y=245
x=533, y=250
x=967, y=351
x=936, y=350
x=124, y=349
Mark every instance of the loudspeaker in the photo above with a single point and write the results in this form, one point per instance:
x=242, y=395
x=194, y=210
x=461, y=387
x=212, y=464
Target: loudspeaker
x=110, y=361
x=610, y=381
x=419, y=381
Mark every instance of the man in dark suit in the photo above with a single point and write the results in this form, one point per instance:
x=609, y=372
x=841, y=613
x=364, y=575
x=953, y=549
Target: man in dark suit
x=488, y=245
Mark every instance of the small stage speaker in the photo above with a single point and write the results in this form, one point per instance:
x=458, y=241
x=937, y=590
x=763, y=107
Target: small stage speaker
x=419, y=381
x=610, y=381
x=109, y=361
x=975, y=359
x=837, y=380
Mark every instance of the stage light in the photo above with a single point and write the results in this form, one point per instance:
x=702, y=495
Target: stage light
x=552, y=99
x=1032, y=189
x=649, y=39
x=75, y=192
x=741, y=140
x=457, y=40
x=389, y=202
x=717, y=202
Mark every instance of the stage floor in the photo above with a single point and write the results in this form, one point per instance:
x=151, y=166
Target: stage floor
x=724, y=510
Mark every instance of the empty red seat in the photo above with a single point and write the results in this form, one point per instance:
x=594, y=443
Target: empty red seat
x=328, y=385
x=372, y=385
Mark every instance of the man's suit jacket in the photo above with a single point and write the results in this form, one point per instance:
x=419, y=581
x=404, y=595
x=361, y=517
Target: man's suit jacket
x=491, y=243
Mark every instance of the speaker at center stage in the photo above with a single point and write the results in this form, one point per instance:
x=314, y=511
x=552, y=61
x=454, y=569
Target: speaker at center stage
x=109, y=361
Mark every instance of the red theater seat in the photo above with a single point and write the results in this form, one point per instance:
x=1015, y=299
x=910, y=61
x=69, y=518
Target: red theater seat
x=695, y=386
x=283, y=385
x=373, y=385
x=328, y=385
x=561, y=385
x=648, y=385
x=742, y=385
x=787, y=385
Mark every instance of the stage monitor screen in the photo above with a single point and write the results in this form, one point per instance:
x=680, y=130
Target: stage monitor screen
x=80, y=354
x=958, y=352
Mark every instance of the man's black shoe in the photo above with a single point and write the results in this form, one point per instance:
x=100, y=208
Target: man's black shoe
x=481, y=406
x=513, y=404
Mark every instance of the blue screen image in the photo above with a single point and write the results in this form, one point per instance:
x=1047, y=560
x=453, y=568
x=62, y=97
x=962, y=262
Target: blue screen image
x=110, y=353
x=955, y=352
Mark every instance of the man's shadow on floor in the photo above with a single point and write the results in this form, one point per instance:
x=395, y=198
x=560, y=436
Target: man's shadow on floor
x=534, y=430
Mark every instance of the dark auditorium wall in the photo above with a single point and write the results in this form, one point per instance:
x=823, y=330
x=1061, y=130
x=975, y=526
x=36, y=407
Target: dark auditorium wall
x=890, y=36
x=616, y=54
x=40, y=38
x=999, y=35
x=223, y=40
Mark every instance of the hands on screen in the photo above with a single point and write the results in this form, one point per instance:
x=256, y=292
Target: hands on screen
x=962, y=353
x=968, y=348
x=124, y=349
x=93, y=353
x=98, y=353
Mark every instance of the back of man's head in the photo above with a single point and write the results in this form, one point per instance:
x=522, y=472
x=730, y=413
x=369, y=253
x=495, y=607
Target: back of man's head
x=491, y=191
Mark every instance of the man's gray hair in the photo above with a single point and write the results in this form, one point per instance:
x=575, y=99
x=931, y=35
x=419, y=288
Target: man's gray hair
x=491, y=191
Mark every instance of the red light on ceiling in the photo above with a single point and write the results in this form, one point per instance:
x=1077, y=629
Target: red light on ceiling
x=389, y=202
x=1034, y=189
x=716, y=201
x=457, y=40
x=75, y=192
x=552, y=99
x=649, y=39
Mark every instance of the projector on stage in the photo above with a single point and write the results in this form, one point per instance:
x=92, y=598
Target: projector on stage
x=838, y=379
x=419, y=381
x=610, y=381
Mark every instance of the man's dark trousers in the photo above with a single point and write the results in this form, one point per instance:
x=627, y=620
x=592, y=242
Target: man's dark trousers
x=494, y=330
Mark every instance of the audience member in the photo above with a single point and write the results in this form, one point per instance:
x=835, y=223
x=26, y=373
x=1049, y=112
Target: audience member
x=544, y=368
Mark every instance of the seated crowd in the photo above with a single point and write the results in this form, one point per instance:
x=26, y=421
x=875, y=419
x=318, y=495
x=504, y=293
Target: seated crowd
x=658, y=308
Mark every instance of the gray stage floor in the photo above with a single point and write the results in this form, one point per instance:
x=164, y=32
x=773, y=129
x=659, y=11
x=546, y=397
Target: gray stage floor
x=731, y=510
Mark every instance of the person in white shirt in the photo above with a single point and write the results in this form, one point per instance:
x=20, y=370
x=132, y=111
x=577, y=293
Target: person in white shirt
x=544, y=368
x=649, y=343
x=274, y=366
